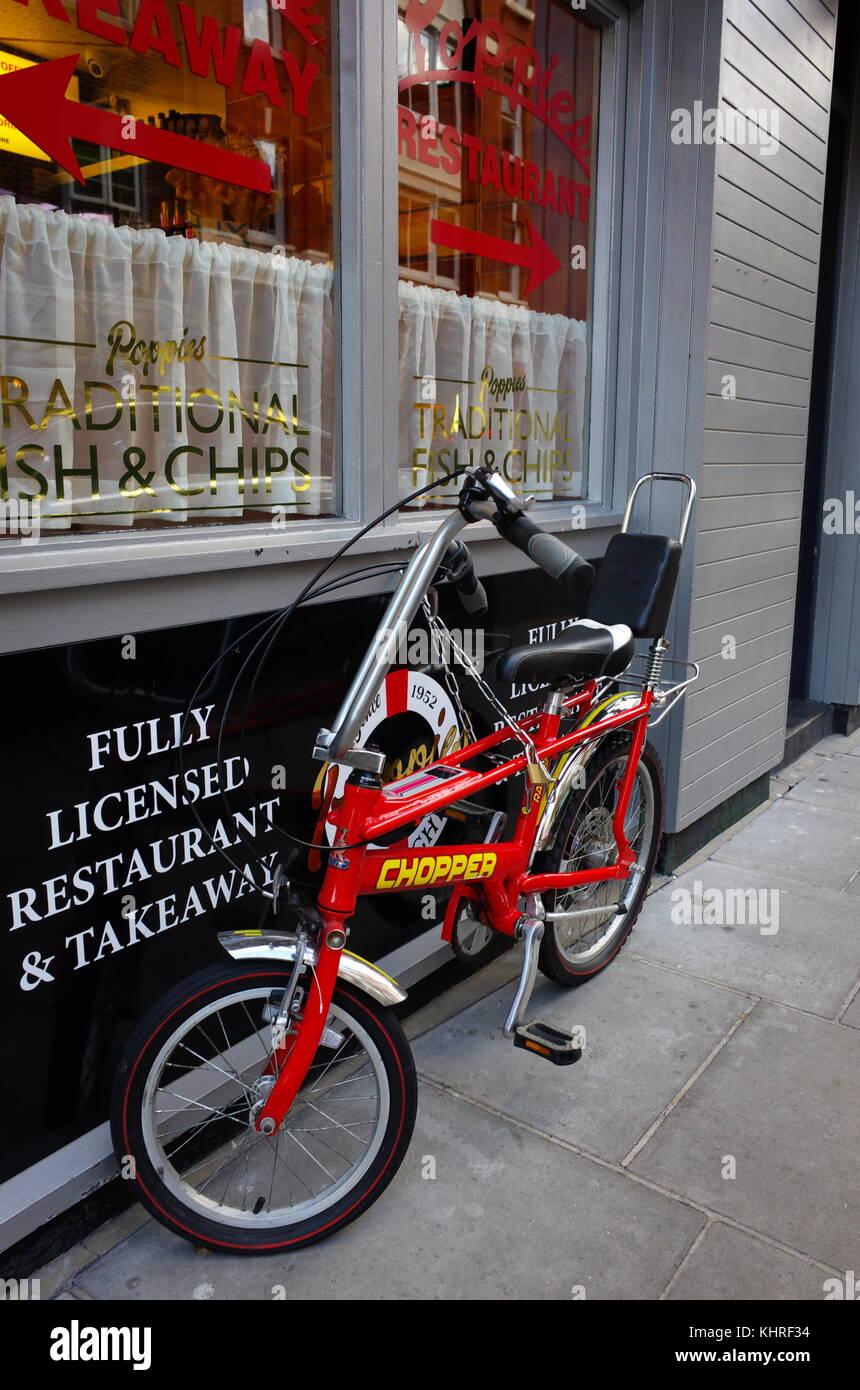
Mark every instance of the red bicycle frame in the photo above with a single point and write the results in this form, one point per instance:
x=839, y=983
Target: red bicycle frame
x=498, y=873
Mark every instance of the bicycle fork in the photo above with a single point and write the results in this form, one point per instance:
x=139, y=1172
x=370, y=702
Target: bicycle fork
x=298, y=1059
x=335, y=906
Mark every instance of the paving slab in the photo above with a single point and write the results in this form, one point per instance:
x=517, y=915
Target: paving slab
x=507, y=1216
x=835, y=783
x=802, y=843
x=839, y=743
x=783, y=1099
x=795, y=772
x=55, y=1276
x=728, y=1265
x=646, y=1033
x=811, y=961
x=103, y=1238
x=851, y=1015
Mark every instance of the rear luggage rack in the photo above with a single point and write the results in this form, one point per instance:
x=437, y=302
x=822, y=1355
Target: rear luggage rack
x=665, y=695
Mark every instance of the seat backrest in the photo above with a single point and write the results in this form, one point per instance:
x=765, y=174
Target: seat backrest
x=635, y=583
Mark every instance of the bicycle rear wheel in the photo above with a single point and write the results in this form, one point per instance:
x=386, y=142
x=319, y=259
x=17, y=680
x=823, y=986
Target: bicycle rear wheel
x=573, y=951
x=185, y=1096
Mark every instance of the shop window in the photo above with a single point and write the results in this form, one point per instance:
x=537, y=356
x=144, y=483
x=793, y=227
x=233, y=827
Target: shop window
x=497, y=126
x=166, y=262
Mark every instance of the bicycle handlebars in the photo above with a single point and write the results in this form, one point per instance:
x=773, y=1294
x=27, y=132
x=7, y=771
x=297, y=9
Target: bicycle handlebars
x=461, y=572
x=485, y=496
x=546, y=551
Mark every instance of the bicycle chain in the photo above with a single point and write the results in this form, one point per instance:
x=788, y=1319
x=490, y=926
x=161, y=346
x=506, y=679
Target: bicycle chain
x=434, y=621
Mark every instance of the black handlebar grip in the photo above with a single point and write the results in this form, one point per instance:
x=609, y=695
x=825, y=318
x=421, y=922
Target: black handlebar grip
x=549, y=553
x=461, y=572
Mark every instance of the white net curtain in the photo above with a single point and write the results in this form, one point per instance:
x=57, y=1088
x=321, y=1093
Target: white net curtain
x=112, y=443
x=452, y=351
x=67, y=280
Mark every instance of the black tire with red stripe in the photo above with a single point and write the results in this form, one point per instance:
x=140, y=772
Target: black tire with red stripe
x=553, y=961
x=141, y=1053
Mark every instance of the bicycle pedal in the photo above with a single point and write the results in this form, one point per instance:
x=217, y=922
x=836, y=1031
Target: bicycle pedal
x=558, y=1046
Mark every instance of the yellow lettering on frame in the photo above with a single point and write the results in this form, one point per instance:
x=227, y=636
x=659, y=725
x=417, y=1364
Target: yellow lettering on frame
x=407, y=873
x=388, y=867
x=458, y=865
x=443, y=867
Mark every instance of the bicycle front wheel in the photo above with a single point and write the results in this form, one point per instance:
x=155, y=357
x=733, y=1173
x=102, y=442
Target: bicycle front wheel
x=602, y=912
x=193, y=1076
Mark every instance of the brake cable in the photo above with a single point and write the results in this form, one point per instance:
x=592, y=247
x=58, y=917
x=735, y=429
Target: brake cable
x=273, y=625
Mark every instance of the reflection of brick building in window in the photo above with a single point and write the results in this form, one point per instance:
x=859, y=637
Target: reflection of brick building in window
x=189, y=98
x=229, y=93
x=466, y=146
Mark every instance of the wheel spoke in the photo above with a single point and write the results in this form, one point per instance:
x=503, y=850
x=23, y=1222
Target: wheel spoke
x=591, y=844
x=202, y=1091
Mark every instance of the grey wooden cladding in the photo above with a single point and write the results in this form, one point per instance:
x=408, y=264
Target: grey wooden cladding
x=757, y=664
x=749, y=627
x=819, y=16
x=733, y=480
x=762, y=253
x=785, y=54
x=749, y=706
x=733, y=311
x=745, y=349
x=719, y=576
x=772, y=182
x=719, y=513
x=745, y=208
x=742, y=542
x=712, y=610
x=796, y=145
x=753, y=385
x=758, y=417
x=803, y=36
x=749, y=749
x=761, y=325
x=768, y=290
x=788, y=93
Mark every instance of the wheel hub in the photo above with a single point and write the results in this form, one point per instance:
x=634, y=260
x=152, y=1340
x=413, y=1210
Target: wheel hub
x=259, y=1093
x=598, y=839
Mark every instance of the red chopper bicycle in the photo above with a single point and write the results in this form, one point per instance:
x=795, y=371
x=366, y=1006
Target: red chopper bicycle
x=268, y=1101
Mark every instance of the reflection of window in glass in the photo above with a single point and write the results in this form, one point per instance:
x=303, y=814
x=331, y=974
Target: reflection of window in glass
x=110, y=188
x=432, y=107
x=256, y=19
x=496, y=145
x=170, y=324
x=511, y=116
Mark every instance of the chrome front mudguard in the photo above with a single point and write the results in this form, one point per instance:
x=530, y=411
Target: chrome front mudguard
x=570, y=766
x=281, y=946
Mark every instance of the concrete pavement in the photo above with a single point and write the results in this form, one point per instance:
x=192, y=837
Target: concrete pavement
x=706, y=1146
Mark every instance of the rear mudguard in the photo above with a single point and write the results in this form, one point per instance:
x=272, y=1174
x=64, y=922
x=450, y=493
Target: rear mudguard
x=571, y=765
x=281, y=946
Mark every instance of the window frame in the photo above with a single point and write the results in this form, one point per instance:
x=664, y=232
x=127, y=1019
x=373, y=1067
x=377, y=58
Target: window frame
x=367, y=381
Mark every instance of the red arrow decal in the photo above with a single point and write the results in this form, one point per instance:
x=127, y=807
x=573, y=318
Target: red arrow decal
x=34, y=100
x=535, y=257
